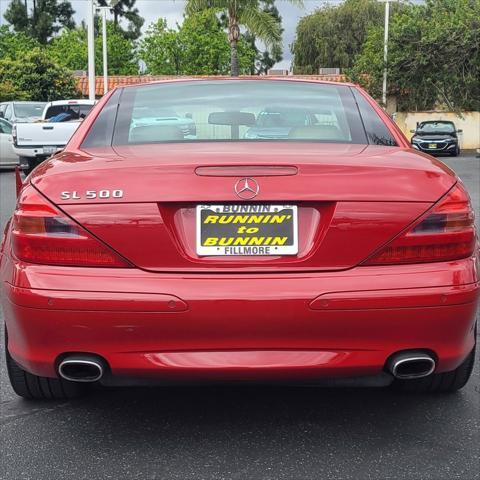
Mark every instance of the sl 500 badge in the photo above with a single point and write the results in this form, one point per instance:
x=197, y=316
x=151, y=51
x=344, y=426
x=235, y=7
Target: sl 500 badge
x=91, y=194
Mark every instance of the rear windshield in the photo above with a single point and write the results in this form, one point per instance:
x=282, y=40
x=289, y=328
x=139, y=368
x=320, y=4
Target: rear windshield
x=234, y=110
x=65, y=113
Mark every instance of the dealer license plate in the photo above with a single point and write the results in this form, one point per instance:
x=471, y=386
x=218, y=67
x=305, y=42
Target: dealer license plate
x=247, y=230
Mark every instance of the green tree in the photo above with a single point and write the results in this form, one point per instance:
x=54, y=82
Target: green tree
x=125, y=9
x=15, y=44
x=248, y=14
x=70, y=50
x=35, y=76
x=368, y=67
x=43, y=21
x=160, y=50
x=266, y=59
x=205, y=47
x=434, y=56
x=198, y=47
x=9, y=91
x=332, y=36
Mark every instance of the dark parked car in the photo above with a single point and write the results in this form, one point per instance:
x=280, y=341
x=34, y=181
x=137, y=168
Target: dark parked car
x=436, y=136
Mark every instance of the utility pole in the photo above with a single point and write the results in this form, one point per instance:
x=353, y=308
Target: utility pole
x=91, y=49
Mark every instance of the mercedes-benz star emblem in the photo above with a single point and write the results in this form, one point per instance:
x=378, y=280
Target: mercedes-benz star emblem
x=247, y=188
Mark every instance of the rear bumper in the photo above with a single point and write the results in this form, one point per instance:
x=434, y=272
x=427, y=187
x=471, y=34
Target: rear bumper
x=36, y=151
x=284, y=326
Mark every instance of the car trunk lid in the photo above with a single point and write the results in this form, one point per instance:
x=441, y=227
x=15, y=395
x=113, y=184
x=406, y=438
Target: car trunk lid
x=351, y=199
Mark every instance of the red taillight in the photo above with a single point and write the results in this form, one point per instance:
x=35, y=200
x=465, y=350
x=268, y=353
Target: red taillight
x=43, y=234
x=446, y=233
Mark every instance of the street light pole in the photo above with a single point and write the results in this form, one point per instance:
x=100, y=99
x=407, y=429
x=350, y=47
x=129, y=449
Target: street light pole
x=91, y=49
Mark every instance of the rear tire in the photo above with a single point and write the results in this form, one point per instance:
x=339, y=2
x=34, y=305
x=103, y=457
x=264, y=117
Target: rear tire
x=440, y=382
x=33, y=387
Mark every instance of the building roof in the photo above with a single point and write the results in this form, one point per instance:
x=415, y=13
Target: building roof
x=123, y=80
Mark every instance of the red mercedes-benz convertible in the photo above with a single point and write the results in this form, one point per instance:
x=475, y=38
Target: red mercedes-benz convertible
x=239, y=230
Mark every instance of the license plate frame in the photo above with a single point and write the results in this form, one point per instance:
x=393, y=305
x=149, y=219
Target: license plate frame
x=268, y=228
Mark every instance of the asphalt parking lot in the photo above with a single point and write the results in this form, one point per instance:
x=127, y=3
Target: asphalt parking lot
x=252, y=433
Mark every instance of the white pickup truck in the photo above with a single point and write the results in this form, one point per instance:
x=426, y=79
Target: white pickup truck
x=35, y=142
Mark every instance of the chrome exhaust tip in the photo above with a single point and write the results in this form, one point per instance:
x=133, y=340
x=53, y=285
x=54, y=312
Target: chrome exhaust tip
x=79, y=369
x=410, y=365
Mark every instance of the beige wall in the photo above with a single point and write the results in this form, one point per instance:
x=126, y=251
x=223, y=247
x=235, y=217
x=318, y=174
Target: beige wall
x=469, y=122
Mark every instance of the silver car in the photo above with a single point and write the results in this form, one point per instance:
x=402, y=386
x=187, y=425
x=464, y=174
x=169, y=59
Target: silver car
x=21, y=112
x=8, y=158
